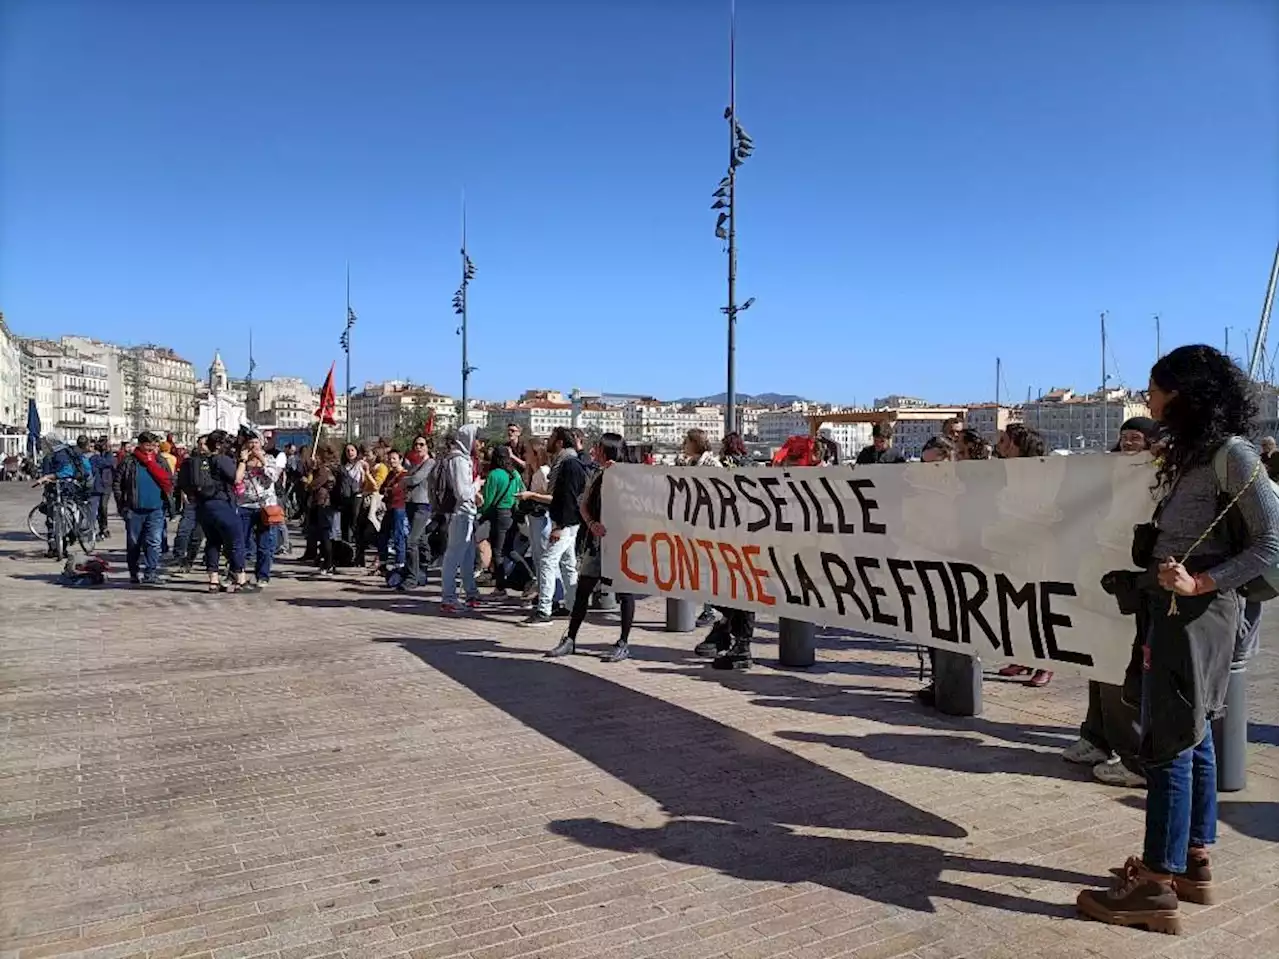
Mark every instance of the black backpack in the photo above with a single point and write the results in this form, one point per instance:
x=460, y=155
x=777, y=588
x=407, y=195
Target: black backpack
x=344, y=487
x=196, y=479
x=440, y=489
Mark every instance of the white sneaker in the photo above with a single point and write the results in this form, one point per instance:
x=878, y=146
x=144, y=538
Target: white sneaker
x=1084, y=753
x=1115, y=773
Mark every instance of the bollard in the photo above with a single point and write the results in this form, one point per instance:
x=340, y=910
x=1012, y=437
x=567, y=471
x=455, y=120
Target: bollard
x=957, y=683
x=796, y=643
x=682, y=616
x=1231, y=733
x=604, y=600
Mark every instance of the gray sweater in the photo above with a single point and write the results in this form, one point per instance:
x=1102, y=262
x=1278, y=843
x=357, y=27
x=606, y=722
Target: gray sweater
x=1193, y=505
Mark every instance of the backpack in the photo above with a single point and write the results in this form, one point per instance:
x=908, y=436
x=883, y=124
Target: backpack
x=441, y=493
x=196, y=479
x=1264, y=587
x=345, y=488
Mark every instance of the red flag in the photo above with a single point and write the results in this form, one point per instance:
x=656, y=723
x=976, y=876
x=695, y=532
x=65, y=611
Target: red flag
x=429, y=426
x=328, y=401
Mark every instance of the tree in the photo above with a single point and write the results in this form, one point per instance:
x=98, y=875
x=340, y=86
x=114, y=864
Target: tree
x=410, y=421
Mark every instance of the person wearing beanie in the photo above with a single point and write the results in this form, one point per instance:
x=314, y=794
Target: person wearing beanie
x=1137, y=433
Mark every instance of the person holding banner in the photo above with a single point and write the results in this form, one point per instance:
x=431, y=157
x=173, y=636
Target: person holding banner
x=1214, y=534
x=1109, y=734
x=609, y=449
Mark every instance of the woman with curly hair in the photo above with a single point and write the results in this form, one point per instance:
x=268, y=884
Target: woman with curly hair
x=1209, y=538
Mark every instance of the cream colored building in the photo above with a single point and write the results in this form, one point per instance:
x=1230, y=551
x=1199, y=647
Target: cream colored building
x=667, y=424
x=540, y=417
x=990, y=420
x=78, y=382
x=378, y=408
x=1090, y=422
x=13, y=401
x=149, y=388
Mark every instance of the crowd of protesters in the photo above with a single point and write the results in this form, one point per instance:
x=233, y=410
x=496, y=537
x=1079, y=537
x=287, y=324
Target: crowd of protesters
x=524, y=516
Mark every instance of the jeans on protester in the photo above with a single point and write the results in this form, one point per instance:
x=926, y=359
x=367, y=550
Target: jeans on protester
x=417, y=552
x=459, y=555
x=259, y=543
x=1182, y=806
x=393, y=536
x=560, y=555
x=539, y=540
x=222, y=535
x=502, y=533
x=94, y=512
x=188, y=538
x=142, y=541
x=323, y=519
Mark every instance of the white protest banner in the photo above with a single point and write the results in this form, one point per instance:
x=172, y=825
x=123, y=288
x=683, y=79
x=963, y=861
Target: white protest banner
x=1000, y=559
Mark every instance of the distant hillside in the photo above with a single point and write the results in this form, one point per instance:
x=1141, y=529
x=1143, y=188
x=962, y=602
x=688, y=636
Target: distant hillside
x=759, y=399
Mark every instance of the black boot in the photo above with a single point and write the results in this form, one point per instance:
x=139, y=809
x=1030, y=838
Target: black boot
x=717, y=642
x=564, y=648
x=737, y=656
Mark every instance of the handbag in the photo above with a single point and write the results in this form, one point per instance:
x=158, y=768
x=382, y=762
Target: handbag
x=272, y=515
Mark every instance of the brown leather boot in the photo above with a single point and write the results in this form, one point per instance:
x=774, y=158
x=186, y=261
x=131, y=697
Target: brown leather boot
x=1138, y=898
x=1196, y=884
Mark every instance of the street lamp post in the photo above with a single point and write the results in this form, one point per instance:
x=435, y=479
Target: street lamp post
x=345, y=341
x=740, y=147
x=460, y=308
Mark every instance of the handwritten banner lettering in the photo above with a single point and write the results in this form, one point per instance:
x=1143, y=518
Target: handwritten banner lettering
x=999, y=559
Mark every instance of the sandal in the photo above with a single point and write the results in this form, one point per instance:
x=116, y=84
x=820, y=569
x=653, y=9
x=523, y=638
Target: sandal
x=1040, y=678
x=1012, y=670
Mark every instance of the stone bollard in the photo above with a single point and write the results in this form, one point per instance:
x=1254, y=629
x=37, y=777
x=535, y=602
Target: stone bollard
x=682, y=616
x=957, y=683
x=797, y=644
x=1231, y=733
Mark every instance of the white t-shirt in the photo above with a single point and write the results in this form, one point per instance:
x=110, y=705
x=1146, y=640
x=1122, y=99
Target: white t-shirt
x=538, y=483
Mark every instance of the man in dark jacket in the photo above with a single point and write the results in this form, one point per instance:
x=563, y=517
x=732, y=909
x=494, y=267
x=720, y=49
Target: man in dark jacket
x=143, y=486
x=881, y=449
x=567, y=481
x=103, y=464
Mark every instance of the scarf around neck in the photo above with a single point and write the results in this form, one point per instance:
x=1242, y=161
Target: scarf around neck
x=163, y=478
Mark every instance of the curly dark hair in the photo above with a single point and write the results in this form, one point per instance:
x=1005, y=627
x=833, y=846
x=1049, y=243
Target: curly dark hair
x=973, y=446
x=1213, y=400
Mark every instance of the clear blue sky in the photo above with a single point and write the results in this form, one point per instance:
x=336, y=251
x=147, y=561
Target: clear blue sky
x=935, y=183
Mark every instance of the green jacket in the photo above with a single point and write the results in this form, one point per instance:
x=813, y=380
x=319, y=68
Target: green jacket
x=500, y=489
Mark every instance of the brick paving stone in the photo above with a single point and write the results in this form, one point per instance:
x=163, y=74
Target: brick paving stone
x=330, y=770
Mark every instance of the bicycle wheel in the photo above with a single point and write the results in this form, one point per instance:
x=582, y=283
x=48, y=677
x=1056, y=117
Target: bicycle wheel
x=59, y=543
x=36, y=523
x=86, y=530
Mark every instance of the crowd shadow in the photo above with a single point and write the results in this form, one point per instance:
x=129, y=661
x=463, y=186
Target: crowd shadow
x=897, y=708
x=946, y=752
x=1265, y=733
x=735, y=801
x=1255, y=818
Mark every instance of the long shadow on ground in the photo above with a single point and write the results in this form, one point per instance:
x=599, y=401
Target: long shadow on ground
x=733, y=798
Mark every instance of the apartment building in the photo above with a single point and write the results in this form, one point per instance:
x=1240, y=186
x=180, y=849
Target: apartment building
x=149, y=388
x=1089, y=422
x=378, y=408
x=539, y=417
x=13, y=402
x=747, y=422
x=667, y=424
x=990, y=420
x=78, y=384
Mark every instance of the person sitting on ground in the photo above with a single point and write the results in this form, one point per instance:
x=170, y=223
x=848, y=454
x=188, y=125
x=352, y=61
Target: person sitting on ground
x=881, y=449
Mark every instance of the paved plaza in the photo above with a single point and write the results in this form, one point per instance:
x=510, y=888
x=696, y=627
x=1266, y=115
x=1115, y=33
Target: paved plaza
x=331, y=769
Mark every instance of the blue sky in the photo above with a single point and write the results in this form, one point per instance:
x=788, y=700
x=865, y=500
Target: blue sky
x=935, y=183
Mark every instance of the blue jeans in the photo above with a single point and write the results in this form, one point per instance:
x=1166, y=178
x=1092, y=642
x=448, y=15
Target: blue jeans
x=259, y=544
x=459, y=554
x=1182, y=805
x=393, y=535
x=222, y=535
x=187, y=540
x=142, y=540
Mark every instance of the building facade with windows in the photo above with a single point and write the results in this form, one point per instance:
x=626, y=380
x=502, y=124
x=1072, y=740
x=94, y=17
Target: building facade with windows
x=667, y=424
x=377, y=409
x=1068, y=421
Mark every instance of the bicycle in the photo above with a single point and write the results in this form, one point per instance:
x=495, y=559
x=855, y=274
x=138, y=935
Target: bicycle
x=63, y=520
